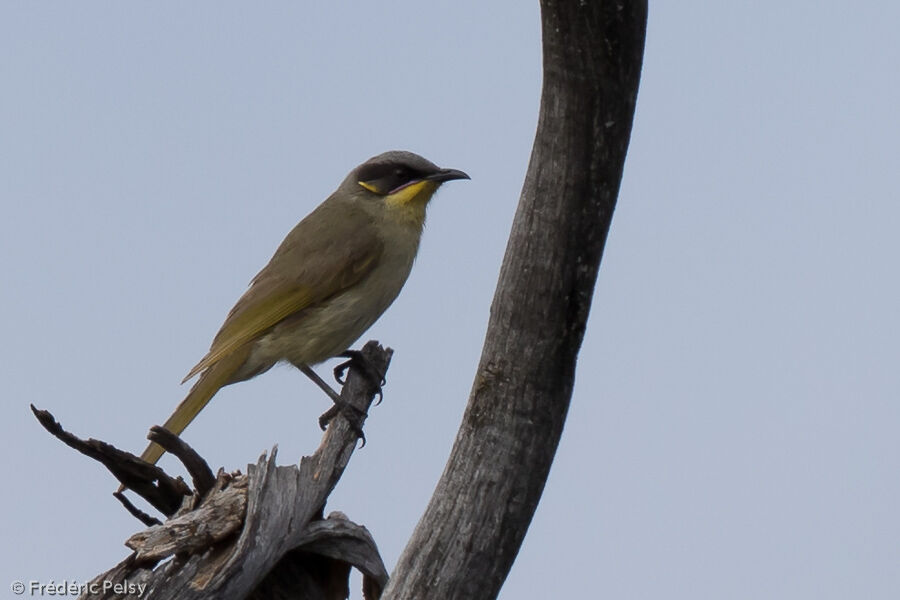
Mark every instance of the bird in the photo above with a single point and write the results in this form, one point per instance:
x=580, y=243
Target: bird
x=331, y=278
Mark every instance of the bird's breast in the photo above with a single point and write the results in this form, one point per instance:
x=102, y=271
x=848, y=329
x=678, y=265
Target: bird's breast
x=333, y=325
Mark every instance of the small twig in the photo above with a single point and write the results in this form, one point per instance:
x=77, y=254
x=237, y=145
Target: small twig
x=164, y=493
x=140, y=515
x=201, y=474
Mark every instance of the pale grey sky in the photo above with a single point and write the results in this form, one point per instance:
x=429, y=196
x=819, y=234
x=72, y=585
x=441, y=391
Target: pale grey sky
x=733, y=432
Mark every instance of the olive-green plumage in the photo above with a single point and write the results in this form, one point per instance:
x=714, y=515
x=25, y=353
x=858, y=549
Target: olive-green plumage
x=333, y=275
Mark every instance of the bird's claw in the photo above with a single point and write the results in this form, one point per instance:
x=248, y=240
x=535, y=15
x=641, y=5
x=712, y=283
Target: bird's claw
x=356, y=359
x=353, y=415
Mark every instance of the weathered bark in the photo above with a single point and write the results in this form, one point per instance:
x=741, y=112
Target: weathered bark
x=259, y=535
x=465, y=543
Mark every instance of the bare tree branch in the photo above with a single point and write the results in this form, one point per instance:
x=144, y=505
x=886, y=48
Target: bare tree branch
x=259, y=535
x=465, y=543
x=164, y=493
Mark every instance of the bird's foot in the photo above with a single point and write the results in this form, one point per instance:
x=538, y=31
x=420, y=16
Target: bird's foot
x=356, y=359
x=354, y=416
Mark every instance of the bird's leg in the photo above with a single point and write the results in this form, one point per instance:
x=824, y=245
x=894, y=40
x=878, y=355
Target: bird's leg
x=356, y=359
x=353, y=414
x=335, y=397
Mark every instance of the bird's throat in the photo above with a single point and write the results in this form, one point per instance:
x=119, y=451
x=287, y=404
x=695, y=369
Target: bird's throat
x=408, y=203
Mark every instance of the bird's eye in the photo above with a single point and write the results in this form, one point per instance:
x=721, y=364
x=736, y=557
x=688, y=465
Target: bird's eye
x=400, y=173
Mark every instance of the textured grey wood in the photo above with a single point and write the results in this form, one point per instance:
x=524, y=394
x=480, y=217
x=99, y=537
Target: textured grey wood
x=217, y=518
x=283, y=548
x=464, y=545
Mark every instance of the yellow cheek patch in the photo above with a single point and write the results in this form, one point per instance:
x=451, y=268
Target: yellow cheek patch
x=420, y=191
x=368, y=186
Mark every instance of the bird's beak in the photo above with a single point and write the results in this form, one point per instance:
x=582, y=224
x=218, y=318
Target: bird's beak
x=446, y=175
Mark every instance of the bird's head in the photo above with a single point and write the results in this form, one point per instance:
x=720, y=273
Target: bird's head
x=402, y=181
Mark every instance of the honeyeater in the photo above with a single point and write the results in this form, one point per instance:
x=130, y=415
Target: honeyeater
x=333, y=275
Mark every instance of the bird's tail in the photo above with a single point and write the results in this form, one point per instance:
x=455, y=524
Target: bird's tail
x=211, y=381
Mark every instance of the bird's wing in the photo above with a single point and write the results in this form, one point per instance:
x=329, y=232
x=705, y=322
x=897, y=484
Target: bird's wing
x=302, y=273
